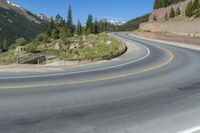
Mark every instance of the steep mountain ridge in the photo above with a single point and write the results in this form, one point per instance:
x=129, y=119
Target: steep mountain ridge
x=16, y=21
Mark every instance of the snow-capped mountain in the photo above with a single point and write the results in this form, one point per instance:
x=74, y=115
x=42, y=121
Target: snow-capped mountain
x=13, y=4
x=43, y=17
x=113, y=22
x=16, y=21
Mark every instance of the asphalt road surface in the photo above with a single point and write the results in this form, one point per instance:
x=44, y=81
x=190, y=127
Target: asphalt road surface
x=155, y=89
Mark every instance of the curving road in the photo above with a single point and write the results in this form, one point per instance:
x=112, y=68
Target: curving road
x=154, y=89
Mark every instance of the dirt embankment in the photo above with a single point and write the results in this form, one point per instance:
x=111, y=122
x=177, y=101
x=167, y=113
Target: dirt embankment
x=170, y=37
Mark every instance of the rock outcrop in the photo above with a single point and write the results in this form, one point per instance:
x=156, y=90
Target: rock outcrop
x=160, y=14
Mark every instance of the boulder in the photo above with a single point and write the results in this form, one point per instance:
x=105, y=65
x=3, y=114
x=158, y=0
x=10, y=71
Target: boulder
x=57, y=46
x=108, y=42
x=20, y=50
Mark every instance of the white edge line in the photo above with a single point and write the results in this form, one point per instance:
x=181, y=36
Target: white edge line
x=191, y=130
x=62, y=74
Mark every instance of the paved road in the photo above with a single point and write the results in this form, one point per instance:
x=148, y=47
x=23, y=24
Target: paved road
x=156, y=89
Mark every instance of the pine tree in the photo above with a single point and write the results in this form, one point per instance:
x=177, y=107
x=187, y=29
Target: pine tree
x=59, y=20
x=172, y=13
x=89, y=25
x=156, y=4
x=164, y=3
x=79, y=28
x=55, y=33
x=69, y=23
x=50, y=27
x=189, y=10
x=195, y=4
x=63, y=35
x=96, y=27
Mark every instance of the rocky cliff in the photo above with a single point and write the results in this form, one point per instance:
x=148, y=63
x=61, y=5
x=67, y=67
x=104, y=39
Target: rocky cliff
x=160, y=14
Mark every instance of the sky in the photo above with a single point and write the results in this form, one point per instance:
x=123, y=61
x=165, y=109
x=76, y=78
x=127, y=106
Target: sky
x=110, y=9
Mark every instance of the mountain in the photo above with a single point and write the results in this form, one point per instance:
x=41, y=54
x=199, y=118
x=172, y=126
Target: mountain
x=43, y=17
x=115, y=25
x=135, y=23
x=16, y=21
x=113, y=22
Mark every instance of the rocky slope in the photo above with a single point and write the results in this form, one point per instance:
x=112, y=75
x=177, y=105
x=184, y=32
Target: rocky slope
x=179, y=24
x=16, y=21
x=160, y=14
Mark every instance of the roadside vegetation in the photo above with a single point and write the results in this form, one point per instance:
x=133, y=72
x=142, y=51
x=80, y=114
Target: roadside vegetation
x=193, y=9
x=62, y=40
x=164, y=3
x=7, y=58
x=134, y=24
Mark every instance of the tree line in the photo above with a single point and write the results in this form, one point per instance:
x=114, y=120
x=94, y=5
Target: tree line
x=164, y=3
x=63, y=29
x=134, y=23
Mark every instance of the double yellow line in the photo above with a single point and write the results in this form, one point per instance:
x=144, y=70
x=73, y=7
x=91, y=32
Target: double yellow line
x=171, y=57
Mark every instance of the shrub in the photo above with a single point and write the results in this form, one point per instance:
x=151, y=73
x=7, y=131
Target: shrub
x=64, y=36
x=32, y=48
x=21, y=41
x=189, y=10
x=39, y=38
x=45, y=38
x=55, y=34
x=13, y=46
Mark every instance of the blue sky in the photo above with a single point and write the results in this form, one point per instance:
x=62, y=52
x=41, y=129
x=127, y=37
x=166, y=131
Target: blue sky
x=111, y=9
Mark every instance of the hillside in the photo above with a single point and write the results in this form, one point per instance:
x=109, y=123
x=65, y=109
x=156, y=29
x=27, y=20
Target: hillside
x=113, y=25
x=178, y=22
x=164, y=3
x=18, y=22
x=135, y=23
x=180, y=18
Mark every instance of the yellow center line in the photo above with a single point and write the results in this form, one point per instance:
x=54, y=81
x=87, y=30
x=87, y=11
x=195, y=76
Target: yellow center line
x=171, y=57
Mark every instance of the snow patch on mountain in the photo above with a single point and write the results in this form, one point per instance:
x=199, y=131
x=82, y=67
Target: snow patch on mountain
x=13, y=4
x=43, y=17
x=114, y=22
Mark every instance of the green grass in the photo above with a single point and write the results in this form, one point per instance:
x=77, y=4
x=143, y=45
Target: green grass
x=96, y=49
x=99, y=48
x=7, y=58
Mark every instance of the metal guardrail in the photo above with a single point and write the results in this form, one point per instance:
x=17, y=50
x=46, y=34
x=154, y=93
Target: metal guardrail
x=116, y=54
x=32, y=59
